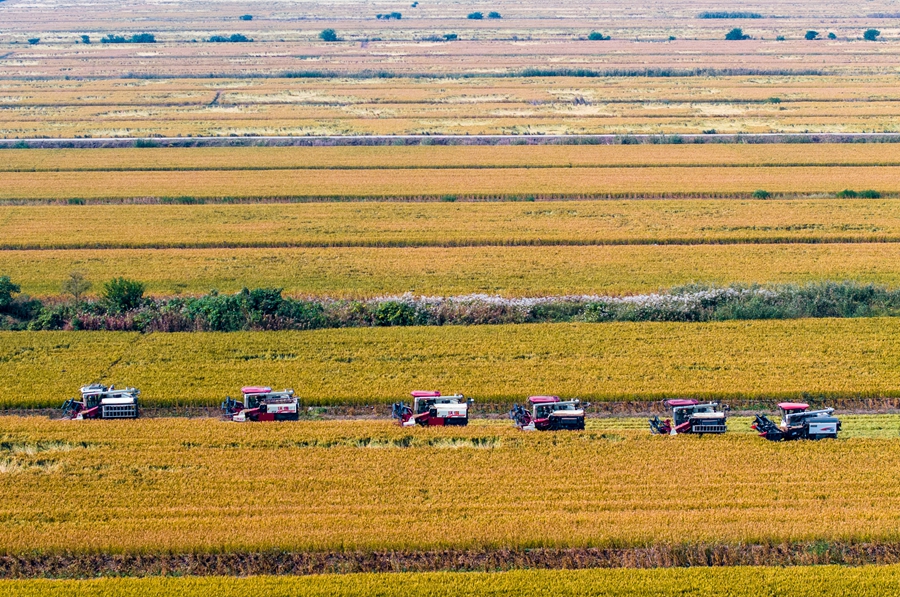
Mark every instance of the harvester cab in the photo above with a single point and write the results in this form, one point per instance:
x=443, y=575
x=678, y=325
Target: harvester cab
x=798, y=422
x=430, y=408
x=262, y=404
x=548, y=413
x=101, y=402
x=691, y=416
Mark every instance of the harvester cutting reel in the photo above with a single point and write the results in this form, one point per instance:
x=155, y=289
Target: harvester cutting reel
x=522, y=417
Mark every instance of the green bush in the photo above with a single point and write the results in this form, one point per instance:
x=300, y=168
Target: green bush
x=846, y=194
x=871, y=34
x=233, y=38
x=869, y=194
x=832, y=36
x=121, y=295
x=597, y=36
x=7, y=289
x=328, y=35
x=475, y=15
x=736, y=34
x=246, y=17
x=811, y=35
x=494, y=15
x=761, y=194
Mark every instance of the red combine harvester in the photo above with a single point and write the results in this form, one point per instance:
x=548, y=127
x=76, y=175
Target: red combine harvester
x=430, y=408
x=691, y=416
x=262, y=404
x=797, y=422
x=548, y=413
x=101, y=402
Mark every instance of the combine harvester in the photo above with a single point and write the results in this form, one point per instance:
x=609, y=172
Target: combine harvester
x=262, y=404
x=548, y=413
x=691, y=416
x=797, y=422
x=430, y=408
x=101, y=402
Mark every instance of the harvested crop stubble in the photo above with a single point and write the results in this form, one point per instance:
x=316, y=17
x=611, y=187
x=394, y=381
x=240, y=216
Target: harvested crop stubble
x=177, y=485
x=686, y=221
x=508, y=271
x=610, y=361
x=822, y=581
x=435, y=183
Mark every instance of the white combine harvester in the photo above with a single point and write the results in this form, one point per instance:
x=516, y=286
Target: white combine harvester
x=430, y=408
x=262, y=404
x=101, y=402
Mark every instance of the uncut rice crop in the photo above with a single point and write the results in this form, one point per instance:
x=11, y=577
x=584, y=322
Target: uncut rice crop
x=384, y=224
x=363, y=272
x=820, y=581
x=701, y=181
x=610, y=361
x=532, y=156
x=198, y=485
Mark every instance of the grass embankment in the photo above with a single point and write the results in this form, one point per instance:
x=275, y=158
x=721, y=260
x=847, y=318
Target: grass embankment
x=611, y=361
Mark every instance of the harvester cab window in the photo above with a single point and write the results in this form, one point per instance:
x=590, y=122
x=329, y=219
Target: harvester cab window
x=252, y=401
x=92, y=400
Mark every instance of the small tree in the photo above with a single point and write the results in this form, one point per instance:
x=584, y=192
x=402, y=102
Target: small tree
x=736, y=34
x=494, y=15
x=246, y=17
x=85, y=39
x=475, y=15
x=76, y=285
x=34, y=40
x=7, y=289
x=832, y=36
x=597, y=36
x=811, y=35
x=122, y=294
x=761, y=194
x=871, y=34
x=328, y=35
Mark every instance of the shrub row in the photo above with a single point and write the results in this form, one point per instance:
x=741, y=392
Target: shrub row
x=123, y=308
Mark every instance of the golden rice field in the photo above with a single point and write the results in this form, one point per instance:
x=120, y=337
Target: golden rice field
x=452, y=156
x=356, y=272
x=843, y=358
x=385, y=224
x=196, y=485
x=822, y=581
x=702, y=181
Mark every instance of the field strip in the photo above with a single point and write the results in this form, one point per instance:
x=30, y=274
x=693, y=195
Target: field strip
x=805, y=358
x=444, y=224
x=185, y=486
x=451, y=157
x=437, y=183
x=805, y=581
x=428, y=271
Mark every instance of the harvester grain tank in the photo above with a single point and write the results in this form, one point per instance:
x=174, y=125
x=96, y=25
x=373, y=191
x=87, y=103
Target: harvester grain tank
x=691, y=416
x=431, y=408
x=798, y=422
x=261, y=403
x=102, y=402
x=548, y=413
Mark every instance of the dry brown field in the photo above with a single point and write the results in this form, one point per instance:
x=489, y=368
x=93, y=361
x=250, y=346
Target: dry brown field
x=34, y=107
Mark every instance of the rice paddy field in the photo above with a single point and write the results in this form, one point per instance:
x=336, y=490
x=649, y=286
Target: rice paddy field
x=437, y=154
x=193, y=486
x=835, y=358
x=801, y=581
